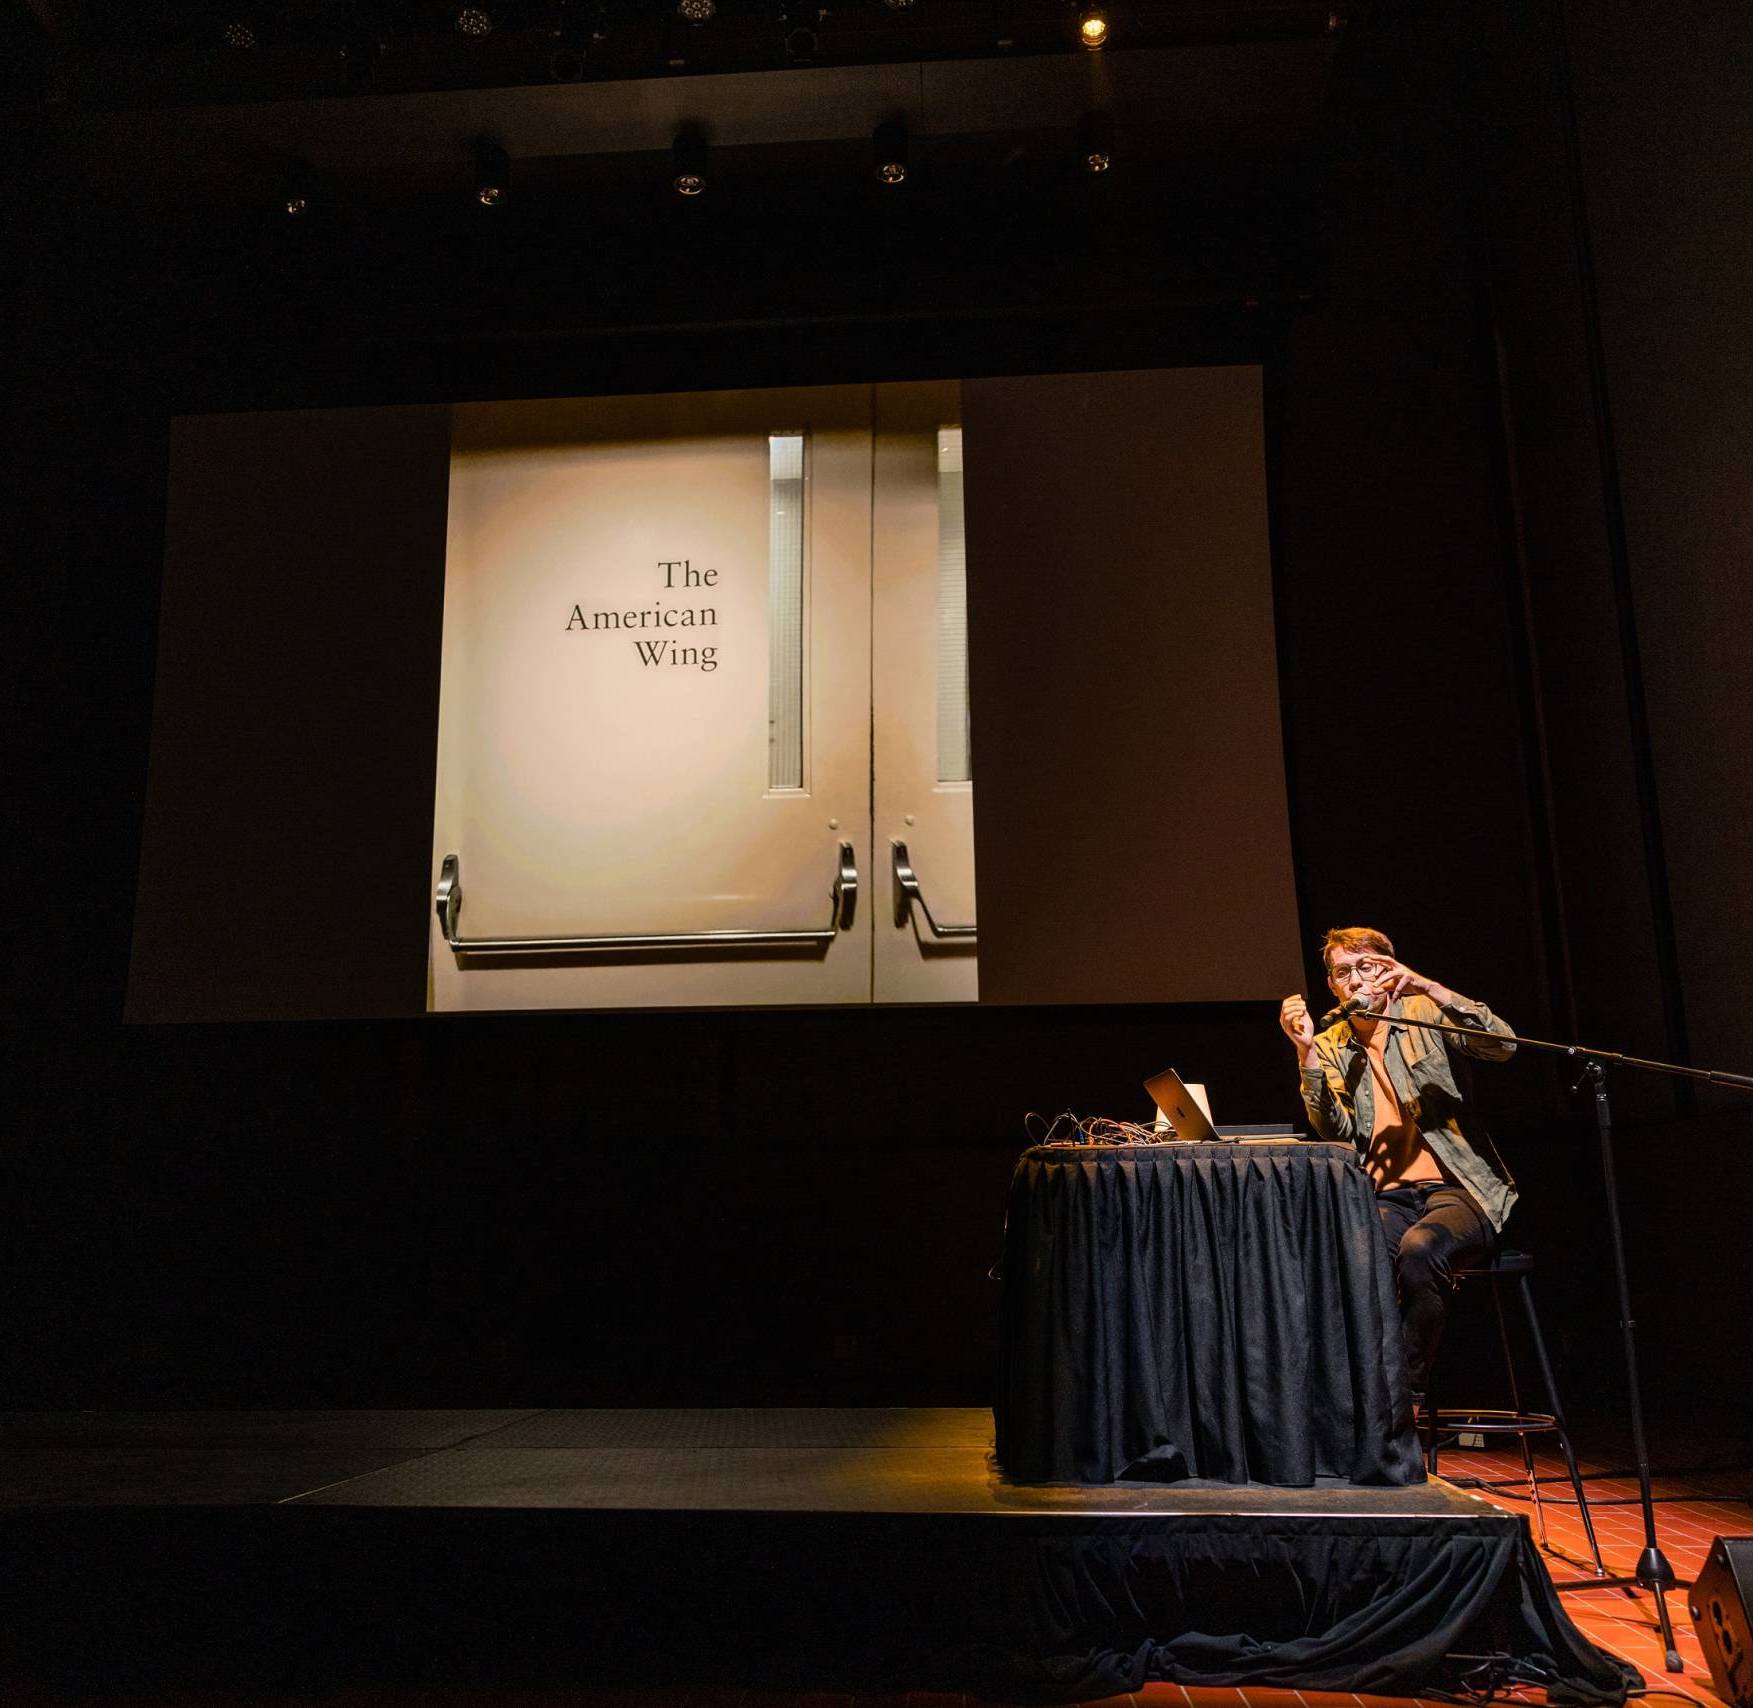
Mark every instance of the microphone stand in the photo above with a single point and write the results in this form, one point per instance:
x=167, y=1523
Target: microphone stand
x=1653, y=1571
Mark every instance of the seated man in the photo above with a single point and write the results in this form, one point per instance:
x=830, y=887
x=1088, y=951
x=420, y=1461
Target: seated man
x=1390, y=1090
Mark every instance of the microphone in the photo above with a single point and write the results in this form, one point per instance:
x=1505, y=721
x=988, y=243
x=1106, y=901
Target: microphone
x=1359, y=1004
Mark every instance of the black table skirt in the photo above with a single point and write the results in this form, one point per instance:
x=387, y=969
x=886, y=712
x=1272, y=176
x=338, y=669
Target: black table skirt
x=1221, y=1311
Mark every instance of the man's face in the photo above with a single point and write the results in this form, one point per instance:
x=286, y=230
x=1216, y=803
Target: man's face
x=1352, y=970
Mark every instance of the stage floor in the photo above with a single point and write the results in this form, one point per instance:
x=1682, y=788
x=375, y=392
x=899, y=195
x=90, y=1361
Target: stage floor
x=899, y=1461
x=858, y=1549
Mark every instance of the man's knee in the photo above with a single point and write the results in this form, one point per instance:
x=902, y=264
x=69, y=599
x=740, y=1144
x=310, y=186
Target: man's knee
x=1423, y=1259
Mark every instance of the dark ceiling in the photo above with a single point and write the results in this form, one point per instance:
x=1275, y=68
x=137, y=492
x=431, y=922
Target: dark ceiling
x=391, y=98
x=135, y=52
x=174, y=159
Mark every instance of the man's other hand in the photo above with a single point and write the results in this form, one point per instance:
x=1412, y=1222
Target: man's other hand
x=1293, y=1018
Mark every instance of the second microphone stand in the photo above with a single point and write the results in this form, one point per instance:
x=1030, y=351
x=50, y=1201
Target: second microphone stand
x=1653, y=1571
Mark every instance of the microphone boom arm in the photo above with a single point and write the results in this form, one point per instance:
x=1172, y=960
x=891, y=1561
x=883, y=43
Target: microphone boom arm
x=1577, y=1052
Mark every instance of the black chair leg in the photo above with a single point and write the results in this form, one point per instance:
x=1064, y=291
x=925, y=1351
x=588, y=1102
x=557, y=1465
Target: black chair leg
x=1509, y=1366
x=1576, y=1481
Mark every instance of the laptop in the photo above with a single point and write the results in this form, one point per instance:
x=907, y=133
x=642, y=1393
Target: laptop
x=1181, y=1106
x=1187, y=1109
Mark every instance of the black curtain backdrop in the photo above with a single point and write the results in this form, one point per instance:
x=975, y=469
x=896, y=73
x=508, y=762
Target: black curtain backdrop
x=413, y=1213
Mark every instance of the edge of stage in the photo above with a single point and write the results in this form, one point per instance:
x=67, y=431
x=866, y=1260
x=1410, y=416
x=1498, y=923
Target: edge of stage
x=868, y=1548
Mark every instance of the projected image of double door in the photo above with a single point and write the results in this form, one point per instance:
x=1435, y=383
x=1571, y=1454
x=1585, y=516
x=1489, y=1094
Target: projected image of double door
x=704, y=732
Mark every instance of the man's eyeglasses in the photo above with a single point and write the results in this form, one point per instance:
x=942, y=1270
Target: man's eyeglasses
x=1348, y=972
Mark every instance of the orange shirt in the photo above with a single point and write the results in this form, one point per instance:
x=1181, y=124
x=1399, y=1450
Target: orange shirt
x=1397, y=1152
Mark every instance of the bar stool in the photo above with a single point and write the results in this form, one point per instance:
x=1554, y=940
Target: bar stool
x=1505, y=1267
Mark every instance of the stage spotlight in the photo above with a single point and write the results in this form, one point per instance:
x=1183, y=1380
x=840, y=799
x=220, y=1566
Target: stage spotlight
x=492, y=173
x=889, y=152
x=474, y=21
x=294, y=187
x=1095, y=142
x=697, y=11
x=688, y=163
x=239, y=33
x=1092, y=27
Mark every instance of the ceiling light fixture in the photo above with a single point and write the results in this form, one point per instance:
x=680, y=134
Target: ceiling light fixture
x=1095, y=142
x=474, y=21
x=239, y=33
x=294, y=186
x=1092, y=28
x=492, y=173
x=697, y=11
x=688, y=163
x=889, y=152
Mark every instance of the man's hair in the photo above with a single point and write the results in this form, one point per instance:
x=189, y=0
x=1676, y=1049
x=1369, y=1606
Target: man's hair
x=1355, y=937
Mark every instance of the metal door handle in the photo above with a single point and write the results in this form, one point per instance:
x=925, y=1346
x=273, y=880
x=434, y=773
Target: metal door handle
x=448, y=899
x=907, y=891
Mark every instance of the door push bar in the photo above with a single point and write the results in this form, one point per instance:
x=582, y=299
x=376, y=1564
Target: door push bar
x=907, y=891
x=449, y=902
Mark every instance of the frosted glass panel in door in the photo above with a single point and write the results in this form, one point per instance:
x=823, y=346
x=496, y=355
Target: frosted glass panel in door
x=605, y=712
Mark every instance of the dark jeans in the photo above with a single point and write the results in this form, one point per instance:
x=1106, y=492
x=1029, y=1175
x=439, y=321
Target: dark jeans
x=1433, y=1229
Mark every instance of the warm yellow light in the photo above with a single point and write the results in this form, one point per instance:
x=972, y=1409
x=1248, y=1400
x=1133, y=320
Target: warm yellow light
x=1092, y=29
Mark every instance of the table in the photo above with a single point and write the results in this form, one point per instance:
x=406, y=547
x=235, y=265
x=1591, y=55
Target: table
x=1217, y=1311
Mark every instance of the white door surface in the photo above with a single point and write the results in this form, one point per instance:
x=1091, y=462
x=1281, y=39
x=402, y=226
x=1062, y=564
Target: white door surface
x=660, y=714
x=623, y=749
x=922, y=789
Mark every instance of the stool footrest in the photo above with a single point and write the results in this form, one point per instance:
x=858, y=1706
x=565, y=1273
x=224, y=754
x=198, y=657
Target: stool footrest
x=1492, y=1421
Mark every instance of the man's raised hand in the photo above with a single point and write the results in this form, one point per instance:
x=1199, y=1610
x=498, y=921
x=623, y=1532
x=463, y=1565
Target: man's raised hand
x=1293, y=1018
x=1392, y=979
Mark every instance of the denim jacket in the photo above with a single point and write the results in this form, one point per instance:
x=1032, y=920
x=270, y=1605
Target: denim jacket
x=1340, y=1098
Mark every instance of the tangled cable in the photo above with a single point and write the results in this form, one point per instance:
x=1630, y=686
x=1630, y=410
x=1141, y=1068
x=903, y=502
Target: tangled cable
x=1069, y=1129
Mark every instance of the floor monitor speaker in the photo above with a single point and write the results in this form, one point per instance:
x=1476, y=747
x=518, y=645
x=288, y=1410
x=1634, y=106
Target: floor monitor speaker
x=1721, y=1603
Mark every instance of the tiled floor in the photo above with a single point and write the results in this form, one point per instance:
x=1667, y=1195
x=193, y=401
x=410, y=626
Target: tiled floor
x=1693, y=1507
